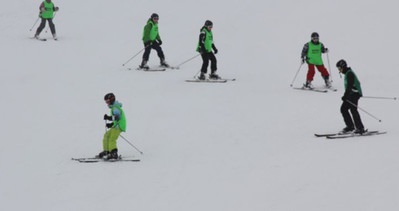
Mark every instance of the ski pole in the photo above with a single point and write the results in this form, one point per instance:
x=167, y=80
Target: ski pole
x=382, y=98
x=178, y=66
x=131, y=144
x=329, y=67
x=35, y=23
x=379, y=120
x=134, y=56
x=296, y=74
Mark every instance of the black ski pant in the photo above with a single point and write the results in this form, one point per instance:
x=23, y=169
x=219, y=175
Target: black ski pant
x=155, y=46
x=43, y=24
x=346, y=107
x=206, y=57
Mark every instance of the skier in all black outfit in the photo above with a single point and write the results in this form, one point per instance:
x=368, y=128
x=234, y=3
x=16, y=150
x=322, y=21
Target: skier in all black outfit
x=353, y=92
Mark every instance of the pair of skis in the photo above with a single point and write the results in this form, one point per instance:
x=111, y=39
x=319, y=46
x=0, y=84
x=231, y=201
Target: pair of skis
x=154, y=69
x=42, y=39
x=341, y=135
x=208, y=80
x=96, y=160
x=322, y=90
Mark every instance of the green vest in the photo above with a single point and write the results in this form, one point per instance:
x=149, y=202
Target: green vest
x=357, y=88
x=208, y=40
x=314, y=54
x=49, y=13
x=121, y=123
x=150, y=32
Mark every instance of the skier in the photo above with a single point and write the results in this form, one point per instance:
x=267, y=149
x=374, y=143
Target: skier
x=311, y=53
x=47, y=10
x=117, y=126
x=205, y=47
x=152, y=40
x=353, y=92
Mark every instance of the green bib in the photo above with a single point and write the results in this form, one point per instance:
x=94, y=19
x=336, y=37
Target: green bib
x=150, y=32
x=208, y=40
x=121, y=123
x=49, y=13
x=314, y=54
x=357, y=88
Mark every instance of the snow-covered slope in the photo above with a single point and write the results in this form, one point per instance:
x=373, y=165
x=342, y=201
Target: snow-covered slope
x=243, y=145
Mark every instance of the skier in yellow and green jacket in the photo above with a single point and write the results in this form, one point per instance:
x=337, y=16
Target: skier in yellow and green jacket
x=47, y=10
x=116, y=126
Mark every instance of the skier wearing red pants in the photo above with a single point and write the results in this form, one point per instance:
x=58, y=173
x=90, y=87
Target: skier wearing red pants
x=311, y=54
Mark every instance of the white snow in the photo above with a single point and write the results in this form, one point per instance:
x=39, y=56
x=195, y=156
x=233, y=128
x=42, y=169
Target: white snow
x=243, y=145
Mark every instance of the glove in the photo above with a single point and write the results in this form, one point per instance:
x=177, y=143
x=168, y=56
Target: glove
x=303, y=60
x=326, y=50
x=215, y=50
x=159, y=42
x=56, y=9
x=106, y=117
x=109, y=125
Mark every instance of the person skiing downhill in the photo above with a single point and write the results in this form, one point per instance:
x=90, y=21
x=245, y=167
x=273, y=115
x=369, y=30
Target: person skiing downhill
x=311, y=54
x=47, y=10
x=152, y=40
x=205, y=47
x=116, y=126
x=353, y=92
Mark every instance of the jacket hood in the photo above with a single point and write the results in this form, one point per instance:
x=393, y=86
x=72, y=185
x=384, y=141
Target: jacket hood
x=116, y=103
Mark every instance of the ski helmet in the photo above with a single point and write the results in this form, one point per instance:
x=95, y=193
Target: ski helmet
x=315, y=35
x=208, y=23
x=110, y=97
x=342, y=64
x=154, y=15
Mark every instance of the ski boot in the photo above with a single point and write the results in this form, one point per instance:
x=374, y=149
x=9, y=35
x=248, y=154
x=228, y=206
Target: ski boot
x=113, y=155
x=308, y=85
x=102, y=154
x=55, y=37
x=347, y=130
x=202, y=76
x=164, y=64
x=144, y=65
x=327, y=81
x=360, y=131
x=214, y=76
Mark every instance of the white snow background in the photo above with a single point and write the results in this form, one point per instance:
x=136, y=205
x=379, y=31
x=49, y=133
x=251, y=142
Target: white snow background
x=243, y=145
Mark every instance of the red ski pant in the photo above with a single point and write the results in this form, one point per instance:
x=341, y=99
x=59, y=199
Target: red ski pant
x=311, y=71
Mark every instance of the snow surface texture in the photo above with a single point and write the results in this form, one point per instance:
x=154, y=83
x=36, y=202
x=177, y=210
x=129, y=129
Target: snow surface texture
x=243, y=145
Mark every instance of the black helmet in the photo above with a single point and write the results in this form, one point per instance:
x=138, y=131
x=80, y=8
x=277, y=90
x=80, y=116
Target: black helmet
x=314, y=35
x=208, y=23
x=342, y=64
x=110, y=97
x=154, y=15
